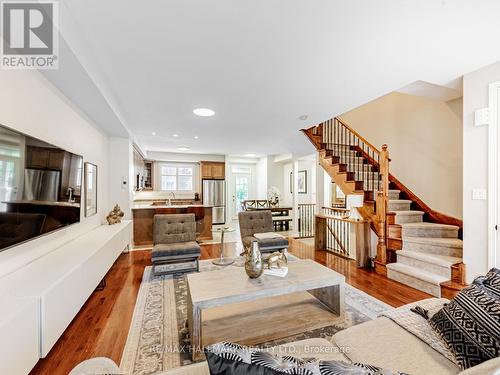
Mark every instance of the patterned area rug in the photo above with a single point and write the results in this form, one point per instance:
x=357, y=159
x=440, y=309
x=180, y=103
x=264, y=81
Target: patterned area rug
x=158, y=339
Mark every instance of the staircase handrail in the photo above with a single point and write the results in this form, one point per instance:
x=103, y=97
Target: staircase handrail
x=358, y=135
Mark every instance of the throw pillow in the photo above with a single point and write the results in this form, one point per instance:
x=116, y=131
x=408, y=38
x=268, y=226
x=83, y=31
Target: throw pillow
x=232, y=359
x=491, y=282
x=470, y=325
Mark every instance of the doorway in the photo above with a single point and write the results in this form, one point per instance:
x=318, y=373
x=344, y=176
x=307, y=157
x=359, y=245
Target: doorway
x=241, y=187
x=494, y=177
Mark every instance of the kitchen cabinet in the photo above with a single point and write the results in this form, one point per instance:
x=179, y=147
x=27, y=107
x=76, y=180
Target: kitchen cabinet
x=139, y=171
x=46, y=158
x=37, y=157
x=212, y=170
x=148, y=175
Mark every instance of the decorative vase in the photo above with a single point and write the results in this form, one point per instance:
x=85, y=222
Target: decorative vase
x=253, y=261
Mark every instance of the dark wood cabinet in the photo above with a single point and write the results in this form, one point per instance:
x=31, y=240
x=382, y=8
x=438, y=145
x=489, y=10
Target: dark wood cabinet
x=148, y=175
x=37, y=157
x=46, y=158
x=56, y=159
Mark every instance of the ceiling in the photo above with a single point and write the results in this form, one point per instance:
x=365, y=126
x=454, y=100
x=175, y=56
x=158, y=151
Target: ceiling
x=431, y=91
x=138, y=67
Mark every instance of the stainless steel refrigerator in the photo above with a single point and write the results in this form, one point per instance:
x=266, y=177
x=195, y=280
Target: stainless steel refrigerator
x=214, y=194
x=40, y=185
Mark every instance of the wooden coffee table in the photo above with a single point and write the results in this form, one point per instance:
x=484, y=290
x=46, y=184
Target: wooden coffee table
x=231, y=286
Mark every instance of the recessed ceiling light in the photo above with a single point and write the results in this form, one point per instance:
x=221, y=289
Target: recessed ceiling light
x=153, y=133
x=196, y=137
x=250, y=155
x=183, y=148
x=303, y=117
x=175, y=135
x=204, y=112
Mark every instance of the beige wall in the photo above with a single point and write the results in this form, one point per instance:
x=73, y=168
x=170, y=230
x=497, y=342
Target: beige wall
x=425, y=144
x=475, y=150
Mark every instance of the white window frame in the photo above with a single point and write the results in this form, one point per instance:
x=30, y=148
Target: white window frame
x=193, y=166
x=493, y=175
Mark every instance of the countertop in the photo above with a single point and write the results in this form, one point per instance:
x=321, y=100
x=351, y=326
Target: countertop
x=44, y=203
x=152, y=207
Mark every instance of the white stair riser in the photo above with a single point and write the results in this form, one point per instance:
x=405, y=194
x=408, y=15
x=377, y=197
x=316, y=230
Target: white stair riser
x=424, y=286
x=361, y=168
x=351, y=160
x=430, y=232
x=425, y=266
x=393, y=195
x=432, y=249
x=399, y=206
x=367, y=176
x=408, y=218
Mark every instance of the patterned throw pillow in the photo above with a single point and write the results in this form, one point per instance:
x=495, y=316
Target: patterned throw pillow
x=491, y=282
x=470, y=323
x=232, y=359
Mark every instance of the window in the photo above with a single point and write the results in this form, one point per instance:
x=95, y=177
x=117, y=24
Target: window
x=176, y=177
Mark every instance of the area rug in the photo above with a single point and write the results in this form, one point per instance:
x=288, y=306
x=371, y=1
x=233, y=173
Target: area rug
x=158, y=338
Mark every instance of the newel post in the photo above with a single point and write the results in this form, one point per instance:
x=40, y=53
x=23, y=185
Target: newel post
x=381, y=212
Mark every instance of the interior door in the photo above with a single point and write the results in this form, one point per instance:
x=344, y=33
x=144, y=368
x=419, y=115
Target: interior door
x=497, y=256
x=241, y=185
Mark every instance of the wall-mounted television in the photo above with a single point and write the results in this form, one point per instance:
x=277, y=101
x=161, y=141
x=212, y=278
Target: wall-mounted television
x=40, y=187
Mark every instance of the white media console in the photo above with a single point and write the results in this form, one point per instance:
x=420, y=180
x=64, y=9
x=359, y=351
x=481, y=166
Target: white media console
x=39, y=300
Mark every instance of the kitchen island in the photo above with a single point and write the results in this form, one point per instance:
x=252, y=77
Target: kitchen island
x=143, y=215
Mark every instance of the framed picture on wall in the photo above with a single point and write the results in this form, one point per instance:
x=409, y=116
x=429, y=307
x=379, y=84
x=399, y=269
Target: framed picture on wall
x=90, y=172
x=302, y=183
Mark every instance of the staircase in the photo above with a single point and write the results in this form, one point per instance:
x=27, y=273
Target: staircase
x=417, y=246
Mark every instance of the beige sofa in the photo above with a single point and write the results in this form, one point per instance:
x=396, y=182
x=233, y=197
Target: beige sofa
x=379, y=342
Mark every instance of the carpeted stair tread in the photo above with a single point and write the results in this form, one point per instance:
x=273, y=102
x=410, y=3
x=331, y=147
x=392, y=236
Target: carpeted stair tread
x=437, y=259
x=429, y=225
x=417, y=273
x=435, y=241
x=401, y=200
x=411, y=216
x=410, y=213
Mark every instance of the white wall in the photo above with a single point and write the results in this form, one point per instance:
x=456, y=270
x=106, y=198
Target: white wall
x=274, y=174
x=121, y=174
x=30, y=104
x=261, y=181
x=425, y=144
x=475, y=172
x=307, y=165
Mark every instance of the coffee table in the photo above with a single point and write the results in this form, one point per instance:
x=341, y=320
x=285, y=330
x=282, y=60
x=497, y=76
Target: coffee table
x=231, y=286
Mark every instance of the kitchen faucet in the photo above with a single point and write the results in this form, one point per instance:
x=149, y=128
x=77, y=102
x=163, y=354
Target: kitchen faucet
x=170, y=195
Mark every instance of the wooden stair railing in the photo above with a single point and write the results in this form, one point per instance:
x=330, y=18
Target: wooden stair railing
x=340, y=144
x=344, y=237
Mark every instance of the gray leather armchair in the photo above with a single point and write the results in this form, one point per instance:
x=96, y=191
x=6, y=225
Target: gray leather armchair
x=175, y=248
x=260, y=221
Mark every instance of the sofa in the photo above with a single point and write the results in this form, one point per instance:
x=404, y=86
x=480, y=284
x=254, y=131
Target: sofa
x=175, y=249
x=379, y=342
x=252, y=222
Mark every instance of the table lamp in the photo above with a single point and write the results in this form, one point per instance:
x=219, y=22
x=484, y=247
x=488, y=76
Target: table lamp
x=355, y=201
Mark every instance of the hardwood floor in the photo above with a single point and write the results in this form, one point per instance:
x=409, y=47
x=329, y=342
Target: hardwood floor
x=100, y=329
